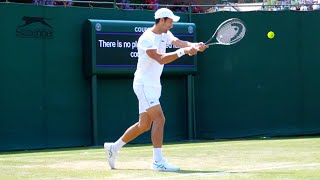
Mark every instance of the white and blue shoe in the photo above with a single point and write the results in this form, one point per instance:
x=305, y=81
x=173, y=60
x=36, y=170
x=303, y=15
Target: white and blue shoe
x=111, y=154
x=163, y=165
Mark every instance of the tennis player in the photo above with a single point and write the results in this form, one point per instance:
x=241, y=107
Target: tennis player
x=147, y=87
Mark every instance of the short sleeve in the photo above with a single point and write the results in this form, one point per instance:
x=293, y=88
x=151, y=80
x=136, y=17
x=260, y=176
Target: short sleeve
x=146, y=44
x=170, y=37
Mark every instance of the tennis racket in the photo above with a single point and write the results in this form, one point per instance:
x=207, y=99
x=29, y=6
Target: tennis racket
x=229, y=32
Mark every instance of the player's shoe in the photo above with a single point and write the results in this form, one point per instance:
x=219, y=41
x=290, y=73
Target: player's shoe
x=111, y=154
x=163, y=165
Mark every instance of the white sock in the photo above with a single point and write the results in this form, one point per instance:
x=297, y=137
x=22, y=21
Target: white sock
x=157, y=154
x=118, y=144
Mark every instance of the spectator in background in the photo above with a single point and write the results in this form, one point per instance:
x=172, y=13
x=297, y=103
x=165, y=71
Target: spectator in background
x=53, y=2
x=309, y=5
x=315, y=5
x=63, y=3
x=285, y=5
x=294, y=5
x=18, y=1
x=303, y=8
x=43, y=2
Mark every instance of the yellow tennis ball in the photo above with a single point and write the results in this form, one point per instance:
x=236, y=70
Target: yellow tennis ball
x=270, y=34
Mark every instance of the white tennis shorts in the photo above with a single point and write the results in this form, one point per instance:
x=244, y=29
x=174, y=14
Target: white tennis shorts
x=148, y=96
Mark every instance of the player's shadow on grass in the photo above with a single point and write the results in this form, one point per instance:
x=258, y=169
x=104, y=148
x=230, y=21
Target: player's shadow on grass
x=184, y=171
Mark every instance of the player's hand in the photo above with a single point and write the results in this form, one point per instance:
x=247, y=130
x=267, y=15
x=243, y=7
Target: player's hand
x=200, y=46
x=191, y=50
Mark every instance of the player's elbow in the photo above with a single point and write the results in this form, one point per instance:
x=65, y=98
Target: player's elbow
x=160, y=60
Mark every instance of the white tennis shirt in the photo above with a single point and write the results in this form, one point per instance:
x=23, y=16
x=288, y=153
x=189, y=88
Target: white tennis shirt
x=148, y=70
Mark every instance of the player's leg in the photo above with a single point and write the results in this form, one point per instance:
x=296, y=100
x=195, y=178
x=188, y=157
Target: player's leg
x=132, y=132
x=157, y=125
x=138, y=128
x=159, y=162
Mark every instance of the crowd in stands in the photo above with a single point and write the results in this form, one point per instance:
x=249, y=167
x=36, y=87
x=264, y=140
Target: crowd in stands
x=52, y=2
x=182, y=6
x=298, y=5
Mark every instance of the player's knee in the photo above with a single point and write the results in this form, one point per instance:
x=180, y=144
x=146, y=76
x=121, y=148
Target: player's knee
x=144, y=127
x=160, y=120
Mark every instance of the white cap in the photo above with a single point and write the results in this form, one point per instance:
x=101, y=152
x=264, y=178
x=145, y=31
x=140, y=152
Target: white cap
x=164, y=12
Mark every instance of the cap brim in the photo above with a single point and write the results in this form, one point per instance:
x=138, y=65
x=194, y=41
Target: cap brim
x=175, y=18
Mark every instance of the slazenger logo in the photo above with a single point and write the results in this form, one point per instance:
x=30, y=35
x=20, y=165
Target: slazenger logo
x=35, y=27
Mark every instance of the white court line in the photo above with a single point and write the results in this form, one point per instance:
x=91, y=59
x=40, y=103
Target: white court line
x=281, y=167
x=237, y=171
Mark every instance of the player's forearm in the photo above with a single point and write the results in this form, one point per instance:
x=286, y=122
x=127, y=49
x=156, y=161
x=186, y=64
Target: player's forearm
x=169, y=57
x=182, y=44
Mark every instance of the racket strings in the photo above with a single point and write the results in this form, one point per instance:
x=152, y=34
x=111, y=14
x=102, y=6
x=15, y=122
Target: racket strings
x=230, y=32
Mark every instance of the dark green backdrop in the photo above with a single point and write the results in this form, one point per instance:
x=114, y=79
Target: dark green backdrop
x=258, y=87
